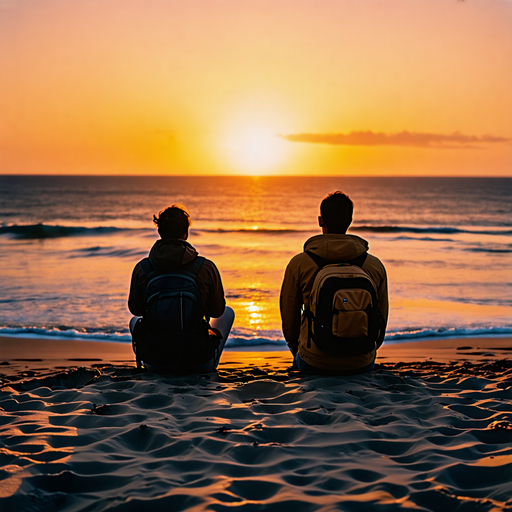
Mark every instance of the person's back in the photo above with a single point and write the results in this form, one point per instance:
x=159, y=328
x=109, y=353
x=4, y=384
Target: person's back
x=176, y=292
x=337, y=351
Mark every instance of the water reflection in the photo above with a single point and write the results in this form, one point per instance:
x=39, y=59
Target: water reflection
x=254, y=316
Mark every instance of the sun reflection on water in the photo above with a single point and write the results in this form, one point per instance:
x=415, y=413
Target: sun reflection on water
x=254, y=316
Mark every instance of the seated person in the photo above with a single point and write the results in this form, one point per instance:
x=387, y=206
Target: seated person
x=344, y=311
x=173, y=294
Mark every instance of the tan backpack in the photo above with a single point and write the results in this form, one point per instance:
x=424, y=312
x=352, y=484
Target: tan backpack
x=343, y=311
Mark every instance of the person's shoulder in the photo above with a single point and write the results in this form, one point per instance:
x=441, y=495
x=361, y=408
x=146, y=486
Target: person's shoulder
x=373, y=263
x=139, y=266
x=301, y=257
x=139, y=274
x=207, y=262
x=301, y=267
x=299, y=260
x=374, y=260
x=208, y=266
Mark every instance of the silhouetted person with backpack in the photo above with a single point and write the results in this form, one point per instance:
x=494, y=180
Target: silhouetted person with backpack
x=334, y=297
x=173, y=294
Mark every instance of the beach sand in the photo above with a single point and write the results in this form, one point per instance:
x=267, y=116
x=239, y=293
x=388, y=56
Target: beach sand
x=82, y=430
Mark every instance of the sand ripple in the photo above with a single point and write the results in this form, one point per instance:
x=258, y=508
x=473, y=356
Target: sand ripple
x=418, y=436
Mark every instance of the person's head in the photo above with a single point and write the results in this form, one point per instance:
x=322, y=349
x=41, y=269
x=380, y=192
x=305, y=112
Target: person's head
x=336, y=212
x=173, y=222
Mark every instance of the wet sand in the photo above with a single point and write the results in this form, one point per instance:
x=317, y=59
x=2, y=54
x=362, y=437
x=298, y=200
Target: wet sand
x=81, y=429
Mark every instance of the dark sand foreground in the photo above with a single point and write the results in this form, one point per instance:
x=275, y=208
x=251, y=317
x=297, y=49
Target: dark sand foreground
x=82, y=430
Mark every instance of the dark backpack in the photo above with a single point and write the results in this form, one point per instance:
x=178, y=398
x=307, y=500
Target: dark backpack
x=343, y=311
x=174, y=331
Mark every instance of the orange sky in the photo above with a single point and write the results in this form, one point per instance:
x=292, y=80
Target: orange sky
x=256, y=87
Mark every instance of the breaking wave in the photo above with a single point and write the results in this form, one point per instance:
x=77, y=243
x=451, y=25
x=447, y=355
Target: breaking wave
x=66, y=333
x=39, y=231
x=449, y=332
x=239, y=339
x=430, y=229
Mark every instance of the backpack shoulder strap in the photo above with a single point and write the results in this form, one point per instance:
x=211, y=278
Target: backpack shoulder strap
x=194, y=267
x=320, y=262
x=359, y=261
x=317, y=259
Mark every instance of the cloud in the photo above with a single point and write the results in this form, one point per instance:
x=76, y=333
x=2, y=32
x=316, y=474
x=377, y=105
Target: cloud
x=455, y=140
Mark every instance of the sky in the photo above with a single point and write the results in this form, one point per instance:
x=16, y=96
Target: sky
x=257, y=87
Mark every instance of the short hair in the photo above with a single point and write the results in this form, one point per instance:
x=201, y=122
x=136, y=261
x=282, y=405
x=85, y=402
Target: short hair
x=336, y=210
x=173, y=222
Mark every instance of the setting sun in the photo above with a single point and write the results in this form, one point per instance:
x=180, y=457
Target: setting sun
x=255, y=150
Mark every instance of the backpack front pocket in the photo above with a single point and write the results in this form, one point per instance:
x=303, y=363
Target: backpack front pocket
x=350, y=319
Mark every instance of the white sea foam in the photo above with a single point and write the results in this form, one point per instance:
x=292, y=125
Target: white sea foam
x=237, y=340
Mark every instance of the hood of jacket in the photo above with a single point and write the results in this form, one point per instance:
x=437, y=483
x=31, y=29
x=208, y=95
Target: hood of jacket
x=171, y=252
x=336, y=248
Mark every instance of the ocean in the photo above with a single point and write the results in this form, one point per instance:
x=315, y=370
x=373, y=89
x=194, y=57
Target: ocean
x=68, y=245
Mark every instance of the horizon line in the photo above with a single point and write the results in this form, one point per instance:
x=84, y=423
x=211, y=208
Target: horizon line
x=261, y=175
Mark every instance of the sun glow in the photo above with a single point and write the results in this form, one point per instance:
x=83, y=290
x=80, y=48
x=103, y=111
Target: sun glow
x=256, y=150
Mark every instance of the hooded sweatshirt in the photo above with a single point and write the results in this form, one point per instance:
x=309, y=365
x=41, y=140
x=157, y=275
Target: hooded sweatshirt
x=168, y=254
x=298, y=282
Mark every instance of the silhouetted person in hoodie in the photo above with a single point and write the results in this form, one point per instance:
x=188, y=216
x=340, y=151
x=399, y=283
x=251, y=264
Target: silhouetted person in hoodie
x=332, y=246
x=173, y=252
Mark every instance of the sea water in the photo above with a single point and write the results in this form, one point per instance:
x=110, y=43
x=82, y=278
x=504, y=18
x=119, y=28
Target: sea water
x=68, y=245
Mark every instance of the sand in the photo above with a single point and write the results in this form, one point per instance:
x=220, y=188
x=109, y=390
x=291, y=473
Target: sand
x=82, y=430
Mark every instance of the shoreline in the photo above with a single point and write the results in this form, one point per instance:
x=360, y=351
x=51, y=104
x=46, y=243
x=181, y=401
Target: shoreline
x=266, y=346
x=36, y=353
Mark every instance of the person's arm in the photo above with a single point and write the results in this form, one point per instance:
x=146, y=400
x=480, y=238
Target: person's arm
x=382, y=295
x=375, y=269
x=214, y=300
x=137, y=291
x=290, y=304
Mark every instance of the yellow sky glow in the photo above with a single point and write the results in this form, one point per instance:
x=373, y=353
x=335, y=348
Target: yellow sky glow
x=209, y=87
